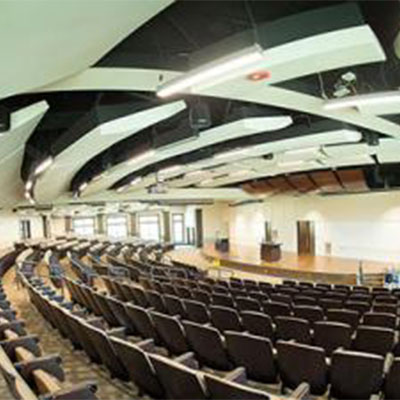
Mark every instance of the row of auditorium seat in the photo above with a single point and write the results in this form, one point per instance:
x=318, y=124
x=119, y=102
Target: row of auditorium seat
x=295, y=361
x=27, y=371
x=156, y=375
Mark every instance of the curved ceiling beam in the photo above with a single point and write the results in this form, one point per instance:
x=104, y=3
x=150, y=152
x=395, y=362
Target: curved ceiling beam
x=222, y=133
x=57, y=178
x=81, y=33
x=12, y=147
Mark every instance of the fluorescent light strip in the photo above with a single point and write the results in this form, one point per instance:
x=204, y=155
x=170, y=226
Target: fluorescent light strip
x=231, y=153
x=28, y=185
x=289, y=164
x=240, y=173
x=363, y=100
x=194, y=173
x=136, y=181
x=83, y=186
x=304, y=150
x=43, y=165
x=170, y=169
x=142, y=157
x=212, y=71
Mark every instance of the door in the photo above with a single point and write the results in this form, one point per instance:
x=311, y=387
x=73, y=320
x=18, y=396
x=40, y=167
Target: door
x=305, y=237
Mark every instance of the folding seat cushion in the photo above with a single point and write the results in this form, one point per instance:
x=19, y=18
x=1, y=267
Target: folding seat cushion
x=383, y=320
x=289, y=328
x=175, y=305
x=222, y=388
x=254, y=353
x=142, y=321
x=196, y=311
x=225, y=319
x=355, y=375
x=349, y=317
x=202, y=296
x=332, y=335
x=223, y=300
x=391, y=388
x=257, y=323
x=372, y=339
x=138, y=365
x=118, y=309
x=360, y=306
x=109, y=358
x=156, y=301
x=275, y=308
x=179, y=381
x=208, y=346
x=300, y=363
x=310, y=313
x=247, y=304
x=171, y=332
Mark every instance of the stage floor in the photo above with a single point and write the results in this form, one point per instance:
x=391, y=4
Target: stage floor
x=321, y=268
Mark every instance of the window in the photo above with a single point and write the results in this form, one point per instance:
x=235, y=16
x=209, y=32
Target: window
x=25, y=229
x=117, y=226
x=178, y=228
x=149, y=227
x=83, y=226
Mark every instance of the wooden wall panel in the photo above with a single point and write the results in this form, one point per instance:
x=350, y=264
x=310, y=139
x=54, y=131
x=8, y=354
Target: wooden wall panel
x=326, y=181
x=302, y=183
x=353, y=180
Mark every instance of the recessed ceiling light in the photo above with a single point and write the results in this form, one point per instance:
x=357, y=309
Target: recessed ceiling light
x=142, y=157
x=213, y=72
x=43, y=165
x=231, y=153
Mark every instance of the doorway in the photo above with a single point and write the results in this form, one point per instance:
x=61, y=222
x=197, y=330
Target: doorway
x=305, y=237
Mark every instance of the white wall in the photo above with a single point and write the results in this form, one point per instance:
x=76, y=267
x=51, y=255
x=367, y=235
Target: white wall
x=358, y=226
x=215, y=221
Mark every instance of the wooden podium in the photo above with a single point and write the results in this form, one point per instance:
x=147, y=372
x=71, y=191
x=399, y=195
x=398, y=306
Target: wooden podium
x=270, y=252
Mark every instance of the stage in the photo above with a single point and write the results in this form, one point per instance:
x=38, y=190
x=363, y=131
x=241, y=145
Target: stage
x=303, y=267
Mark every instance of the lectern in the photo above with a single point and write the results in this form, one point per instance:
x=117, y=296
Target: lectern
x=270, y=251
x=222, y=244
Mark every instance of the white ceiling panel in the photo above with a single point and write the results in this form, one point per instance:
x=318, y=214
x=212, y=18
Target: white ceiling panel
x=48, y=40
x=12, y=147
x=56, y=179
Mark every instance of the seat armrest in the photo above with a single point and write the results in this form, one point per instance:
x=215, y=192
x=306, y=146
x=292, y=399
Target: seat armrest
x=16, y=326
x=50, y=364
x=28, y=342
x=188, y=360
x=238, y=375
x=388, y=362
x=147, y=345
x=301, y=392
x=97, y=322
x=85, y=390
x=117, y=332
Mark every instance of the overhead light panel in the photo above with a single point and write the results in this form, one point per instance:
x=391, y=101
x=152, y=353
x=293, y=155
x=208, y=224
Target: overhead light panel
x=214, y=72
x=43, y=165
x=168, y=170
x=290, y=164
x=136, y=181
x=29, y=185
x=303, y=151
x=231, y=153
x=370, y=99
x=83, y=186
x=141, y=157
x=193, y=174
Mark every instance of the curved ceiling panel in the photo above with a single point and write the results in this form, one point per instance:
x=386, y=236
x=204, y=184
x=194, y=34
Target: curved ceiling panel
x=12, y=147
x=222, y=133
x=56, y=180
x=59, y=38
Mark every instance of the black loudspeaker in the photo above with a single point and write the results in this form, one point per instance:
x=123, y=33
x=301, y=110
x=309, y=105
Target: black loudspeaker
x=199, y=116
x=5, y=119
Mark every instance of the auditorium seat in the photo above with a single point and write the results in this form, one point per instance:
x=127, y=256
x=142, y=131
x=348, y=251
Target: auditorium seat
x=328, y=303
x=238, y=292
x=106, y=311
x=202, y=296
x=383, y=320
x=310, y=313
x=219, y=289
x=323, y=286
x=345, y=316
x=391, y=388
x=156, y=301
x=142, y=321
x=355, y=375
x=259, y=296
x=207, y=343
x=361, y=289
x=275, y=308
x=254, y=353
x=138, y=365
x=118, y=308
x=359, y=306
x=171, y=332
x=386, y=299
x=169, y=289
x=372, y=339
x=360, y=296
x=332, y=335
x=385, y=308
x=178, y=380
x=257, y=323
x=281, y=298
x=183, y=292
x=288, y=328
x=300, y=363
x=174, y=305
x=196, y=311
x=301, y=300
x=225, y=318
x=247, y=304
x=265, y=287
x=222, y=300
